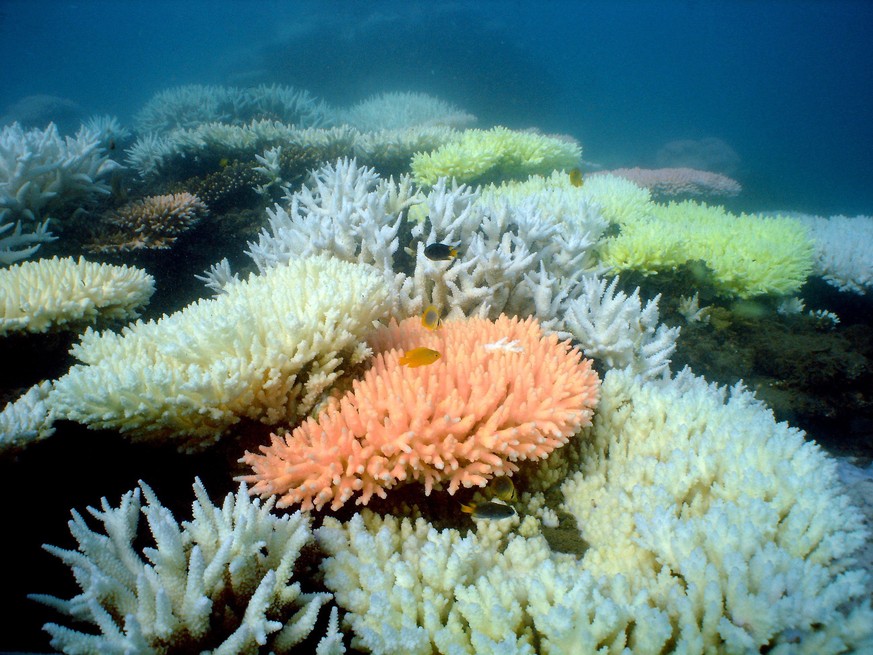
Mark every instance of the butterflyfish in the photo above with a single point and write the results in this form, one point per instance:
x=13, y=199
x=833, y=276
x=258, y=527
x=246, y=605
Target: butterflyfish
x=419, y=357
x=489, y=510
x=576, y=177
x=503, y=488
x=430, y=318
x=440, y=252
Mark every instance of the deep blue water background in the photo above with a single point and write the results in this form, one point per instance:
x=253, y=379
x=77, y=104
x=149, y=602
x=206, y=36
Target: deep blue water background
x=785, y=84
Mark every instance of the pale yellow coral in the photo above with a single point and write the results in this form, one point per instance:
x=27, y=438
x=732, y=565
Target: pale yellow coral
x=46, y=293
x=748, y=255
x=481, y=155
x=267, y=348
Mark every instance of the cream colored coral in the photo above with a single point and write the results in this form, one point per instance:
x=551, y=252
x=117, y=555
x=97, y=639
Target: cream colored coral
x=730, y=523
x=709, y=528
x=267, y=348
x=224, y=581
x=38, y=295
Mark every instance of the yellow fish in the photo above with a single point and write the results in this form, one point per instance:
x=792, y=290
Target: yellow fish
x=430, y=318
x=576, y=177
x=224, y=162
x=503, y=488
x=419, y=357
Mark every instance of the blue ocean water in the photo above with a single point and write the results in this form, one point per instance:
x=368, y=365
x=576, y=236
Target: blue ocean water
x=783, y=83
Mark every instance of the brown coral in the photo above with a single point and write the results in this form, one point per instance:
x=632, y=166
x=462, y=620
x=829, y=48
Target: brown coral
x=154, y=222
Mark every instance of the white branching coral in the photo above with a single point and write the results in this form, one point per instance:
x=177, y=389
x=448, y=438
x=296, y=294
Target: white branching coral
x=616, y=329
x=27, y=419
x=222, y=583
x=51, y=293
x=41, y=173
x=268, y=349
x=843, y=248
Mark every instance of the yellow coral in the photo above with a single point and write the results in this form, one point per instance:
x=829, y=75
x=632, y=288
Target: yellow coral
x=749, y=255
x=485, y=155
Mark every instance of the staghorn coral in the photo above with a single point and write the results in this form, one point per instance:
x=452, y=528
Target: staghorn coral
x=488, y=155
x=500, y=393
x=42, y=173
x=153, y=222
x=49, y=293
x=222, y=583
x=267, y=348
x=672, y=182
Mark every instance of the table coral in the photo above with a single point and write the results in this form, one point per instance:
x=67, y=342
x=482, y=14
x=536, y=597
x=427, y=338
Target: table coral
x=500, y=393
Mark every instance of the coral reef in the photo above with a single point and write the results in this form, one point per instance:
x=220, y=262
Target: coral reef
x=393, y=111
x=500, y=393
x=27, y=419
x=267, y=348
x=223, y=582
x=746, y=255
x=42, y=174
x=710, y=528
x=481, y=156
x=50, y=293
x=194, y=104
x=843, y=250
x=153, y=222
x=672, y=182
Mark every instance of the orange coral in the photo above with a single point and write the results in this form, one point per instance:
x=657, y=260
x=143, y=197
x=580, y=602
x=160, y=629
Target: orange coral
x=501, y=392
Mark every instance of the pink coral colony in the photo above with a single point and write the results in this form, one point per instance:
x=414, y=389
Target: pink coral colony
x=501, y=392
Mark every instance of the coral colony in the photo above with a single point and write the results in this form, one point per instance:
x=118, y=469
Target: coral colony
x=427, y=366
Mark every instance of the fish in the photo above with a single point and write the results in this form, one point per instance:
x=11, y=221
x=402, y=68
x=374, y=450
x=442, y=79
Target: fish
x=440, y=252
x=430, y=318
x=419, y=357
x=503, y=488
x=488, y=510
x=224, y=162
x=576, y=177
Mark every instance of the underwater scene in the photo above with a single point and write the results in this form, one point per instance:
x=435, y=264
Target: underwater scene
x=457, y=328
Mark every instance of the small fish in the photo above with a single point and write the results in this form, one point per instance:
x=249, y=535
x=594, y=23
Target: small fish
x=503, y=488
x=440, y=252
x=224, y=162
x=430, y=318
x=111, y=145
x=576, y=177
x=489, y=510
x=419, y=357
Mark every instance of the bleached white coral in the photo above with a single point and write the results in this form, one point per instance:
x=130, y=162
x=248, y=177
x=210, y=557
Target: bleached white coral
x=267, y=349
x=843, y=250
x=689, y=307
x=21, y=245
x=344, y=210
x=47, y=293
x=732, y=525
x=616, y=329
x=194, y=104
x=223, y=581
x=27, y=419
x=402, y=110
x=41, y=173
